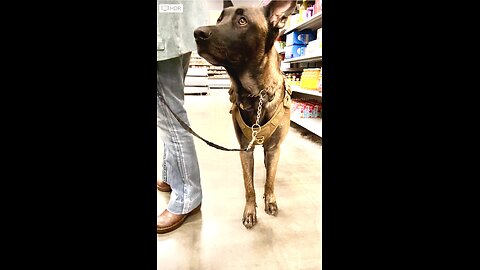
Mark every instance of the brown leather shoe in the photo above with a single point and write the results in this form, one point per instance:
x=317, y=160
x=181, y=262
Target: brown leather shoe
x=163, y=186
x=168, y=222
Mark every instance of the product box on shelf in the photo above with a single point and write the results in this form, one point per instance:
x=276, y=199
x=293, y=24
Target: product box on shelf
x=317, y=7
x=284, y=66
x=313, y=48
x=319, y=36
x=295, y=110
x=310, y=78
x=293, y=51
x=306, y=11
x=306, y=108
x=293, y=21
x=320, y=81
x=293, y=79
x=314, y=109
x=300, y=37
x=303, y=65
x=310, y=12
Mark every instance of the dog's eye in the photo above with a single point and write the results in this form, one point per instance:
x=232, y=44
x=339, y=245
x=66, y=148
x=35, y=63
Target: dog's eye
x=242, y=21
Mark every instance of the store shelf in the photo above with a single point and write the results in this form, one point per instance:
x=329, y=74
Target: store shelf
x=291, y=69
x=307, y=58
x=215, y=73
x=314, y=22
x=197, y=72
x=196, y=90
x=309, y=92
x=312, y=124
x=219, y=82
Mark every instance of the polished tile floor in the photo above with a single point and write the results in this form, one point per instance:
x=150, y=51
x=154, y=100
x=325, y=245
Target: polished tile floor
x=216, y=238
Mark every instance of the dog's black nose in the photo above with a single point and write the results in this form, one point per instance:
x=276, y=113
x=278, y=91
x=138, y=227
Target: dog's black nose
x=202, y=33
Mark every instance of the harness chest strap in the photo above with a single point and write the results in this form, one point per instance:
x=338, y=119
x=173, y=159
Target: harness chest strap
x=269, y=128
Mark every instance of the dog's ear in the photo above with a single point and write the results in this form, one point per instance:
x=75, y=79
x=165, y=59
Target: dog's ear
x=277, y=12
x=227, y=4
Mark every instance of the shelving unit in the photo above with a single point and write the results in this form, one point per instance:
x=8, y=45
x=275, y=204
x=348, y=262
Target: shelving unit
x=306, y=91
x=291, y=69
x=306, y=58
x=314, y=22
x=218, y=77
x=314, y=125
x=203, y=76
x=297, y=64
x=216, y=72
x=196, y=81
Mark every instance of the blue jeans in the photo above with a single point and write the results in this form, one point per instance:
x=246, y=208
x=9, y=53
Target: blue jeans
x=180, y=163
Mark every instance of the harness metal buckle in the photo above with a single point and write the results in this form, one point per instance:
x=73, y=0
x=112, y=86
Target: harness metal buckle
x=256, y=127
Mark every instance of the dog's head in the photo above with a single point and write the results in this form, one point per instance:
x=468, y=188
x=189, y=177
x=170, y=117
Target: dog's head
x=242, y=34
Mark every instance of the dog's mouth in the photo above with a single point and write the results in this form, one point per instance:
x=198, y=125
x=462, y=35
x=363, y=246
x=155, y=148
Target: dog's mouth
x=210, y=57
x=215, y=54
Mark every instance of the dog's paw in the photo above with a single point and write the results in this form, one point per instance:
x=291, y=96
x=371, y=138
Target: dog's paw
x=271, y=208
x=249, y=221
x=249, y=217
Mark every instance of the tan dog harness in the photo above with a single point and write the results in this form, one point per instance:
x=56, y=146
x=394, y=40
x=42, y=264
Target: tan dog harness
x=269, y=128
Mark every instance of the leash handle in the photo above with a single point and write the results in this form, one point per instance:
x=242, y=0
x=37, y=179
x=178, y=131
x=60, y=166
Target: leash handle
x=187, y=128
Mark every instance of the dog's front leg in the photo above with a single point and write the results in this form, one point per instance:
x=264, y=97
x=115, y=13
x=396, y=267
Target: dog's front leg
x=250, y=213
x=271, y=160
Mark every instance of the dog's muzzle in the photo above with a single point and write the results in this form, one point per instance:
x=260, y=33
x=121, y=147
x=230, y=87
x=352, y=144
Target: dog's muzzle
x=202, y=33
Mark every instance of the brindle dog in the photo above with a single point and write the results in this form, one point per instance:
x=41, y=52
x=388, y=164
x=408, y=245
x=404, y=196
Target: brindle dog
x=242, y=41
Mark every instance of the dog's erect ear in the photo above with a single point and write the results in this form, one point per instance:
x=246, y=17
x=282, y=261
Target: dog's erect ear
x=227, y=4
x=277, y=12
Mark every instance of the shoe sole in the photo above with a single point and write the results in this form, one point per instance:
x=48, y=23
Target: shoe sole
x=164, y=190
x=180, y=222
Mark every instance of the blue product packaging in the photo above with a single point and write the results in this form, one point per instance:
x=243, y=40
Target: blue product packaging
x=294, y=51
x=300, y=37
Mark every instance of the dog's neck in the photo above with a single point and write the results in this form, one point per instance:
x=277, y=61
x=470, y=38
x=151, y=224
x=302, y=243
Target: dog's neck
x=263, y=74
x=257, y=75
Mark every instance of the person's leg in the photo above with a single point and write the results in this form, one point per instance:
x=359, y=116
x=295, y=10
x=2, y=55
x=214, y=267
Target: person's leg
x=164, y=164
x=162, y=183
x=162, y=186
x=181, y=163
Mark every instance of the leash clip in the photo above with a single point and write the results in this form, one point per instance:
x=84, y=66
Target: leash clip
x=256, y=127
x=262, y=94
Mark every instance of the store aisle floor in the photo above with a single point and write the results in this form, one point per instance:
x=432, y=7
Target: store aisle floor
x=216, y=238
